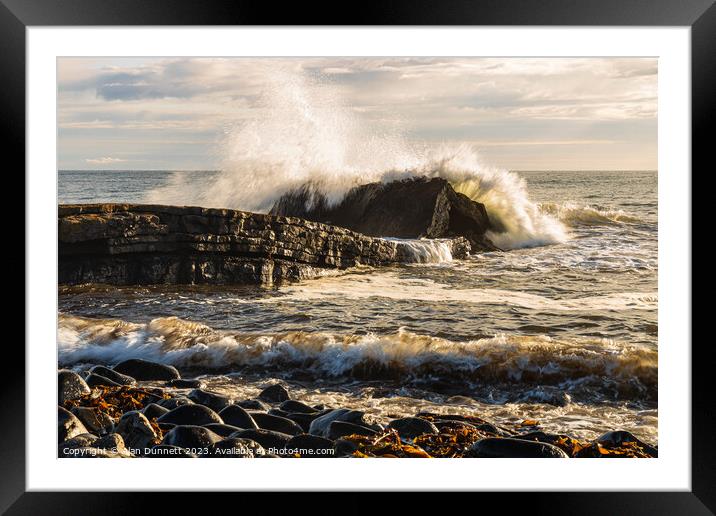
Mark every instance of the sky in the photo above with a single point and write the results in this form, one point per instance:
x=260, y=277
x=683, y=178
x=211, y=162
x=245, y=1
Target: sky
x=519, y=113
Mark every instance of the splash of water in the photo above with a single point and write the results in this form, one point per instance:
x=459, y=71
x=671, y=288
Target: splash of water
x=303, y=133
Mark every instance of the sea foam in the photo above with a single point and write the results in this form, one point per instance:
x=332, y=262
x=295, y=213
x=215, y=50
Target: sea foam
x=302, y=132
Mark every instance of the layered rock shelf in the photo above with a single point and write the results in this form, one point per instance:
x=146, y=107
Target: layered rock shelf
x=137, y=244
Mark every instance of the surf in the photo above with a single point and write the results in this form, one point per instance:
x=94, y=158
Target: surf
x=303, y=133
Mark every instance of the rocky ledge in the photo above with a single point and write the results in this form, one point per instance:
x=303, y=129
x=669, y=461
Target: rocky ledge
x=153, y=412
x=138, y=244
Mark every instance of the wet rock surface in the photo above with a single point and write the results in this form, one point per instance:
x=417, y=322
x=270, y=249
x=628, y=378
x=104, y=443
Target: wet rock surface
x=146, y=370
x=113, y=375
x=70, y=386
x=412, y=208
x=135, y=244
x=193, y=414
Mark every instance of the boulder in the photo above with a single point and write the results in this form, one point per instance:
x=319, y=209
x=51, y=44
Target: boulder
x=306, y=445
x=277, y=423
x=95, y=421
x=144, y=370
x=338, y=429
x=237, y=416
x=236, y=448
x=70, y=386
x=68, y=425
x=410, y=208
x=66, y=448
x=194, y=438
x=114, y=443
x=319, y=426
x=154, y=411
x=618, y=437
x=275, y=393
x=344, y=448
x=182, y=383
x=137, y=433
x=210, y=399
x=113, y=375
x=253, y=404
x=293, y=406
x=301, y=419
x=193, y=414
x=95, y=380
x=269, y=439
x=496, y=447
x=412, y=427
x=172, y=403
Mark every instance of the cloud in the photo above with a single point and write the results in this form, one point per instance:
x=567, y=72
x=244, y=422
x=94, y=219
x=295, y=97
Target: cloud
x=116, y=105
x=104, y=161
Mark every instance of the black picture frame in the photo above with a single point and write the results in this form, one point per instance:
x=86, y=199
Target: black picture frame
x=700, y=15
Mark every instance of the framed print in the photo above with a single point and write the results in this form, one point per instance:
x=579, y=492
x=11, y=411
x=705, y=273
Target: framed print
x=458, y=234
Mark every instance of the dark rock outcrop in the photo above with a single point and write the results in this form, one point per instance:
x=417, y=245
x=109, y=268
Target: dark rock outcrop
x=411, y=208
x=135, y=244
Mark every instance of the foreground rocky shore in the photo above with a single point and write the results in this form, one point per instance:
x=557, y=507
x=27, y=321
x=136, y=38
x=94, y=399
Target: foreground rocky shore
x=144, y=409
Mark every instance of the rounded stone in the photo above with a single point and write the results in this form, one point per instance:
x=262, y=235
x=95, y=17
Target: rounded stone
x=275, y=393
x=70, y=386
x=68, y=425
x=136, y=431
x=277, y=423
x=144, y=370
x=182, y=383
x=212, y=400
x=338, y=429
x=113, y=375
x=307, y=445
x=95, y=421
x=294, y=406
x=154, y=411
x=253, y=404
x=95, y=380
x=172, y=403
x=193, y=414
x=319, y=426
x=237, y=416
x=496, y=447
x=270, y=440
x=194, y=438
x=412, y=427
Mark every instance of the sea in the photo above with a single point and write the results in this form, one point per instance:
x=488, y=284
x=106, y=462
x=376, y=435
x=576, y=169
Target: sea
x=560, y=327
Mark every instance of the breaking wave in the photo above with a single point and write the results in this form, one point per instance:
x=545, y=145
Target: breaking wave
x=578, y=366
x=574, y=214
x=303, y=133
